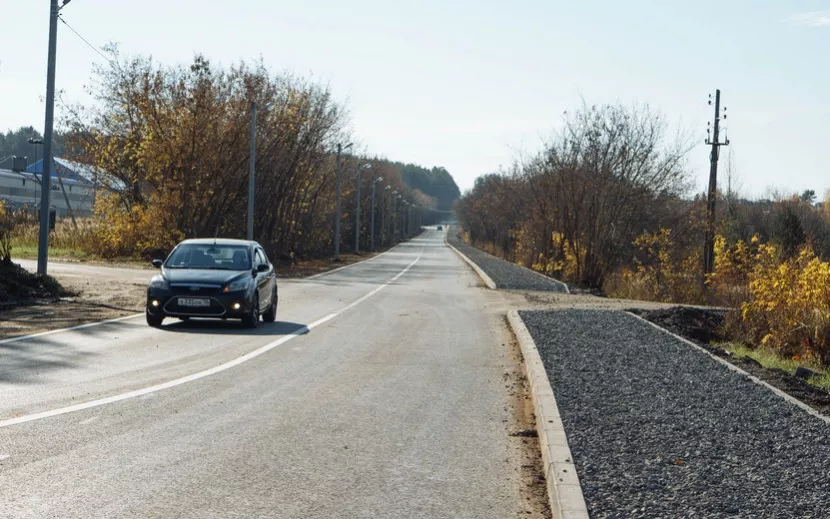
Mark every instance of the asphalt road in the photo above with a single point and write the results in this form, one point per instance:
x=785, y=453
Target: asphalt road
x=378, y=393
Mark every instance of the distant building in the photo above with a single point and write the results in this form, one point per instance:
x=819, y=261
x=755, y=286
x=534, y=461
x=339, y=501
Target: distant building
x=80, y=182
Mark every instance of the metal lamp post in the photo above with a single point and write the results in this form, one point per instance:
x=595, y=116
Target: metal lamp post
x=384, y=233
x=357, y=211
x=372, y=224
x=340, y=149
x=399, y=217
x=251, y=163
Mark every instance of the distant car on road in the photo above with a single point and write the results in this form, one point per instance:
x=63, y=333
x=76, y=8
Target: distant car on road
x=217, y=278
x=440, y=227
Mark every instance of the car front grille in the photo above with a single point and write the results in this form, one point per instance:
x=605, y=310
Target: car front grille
x=195, y=290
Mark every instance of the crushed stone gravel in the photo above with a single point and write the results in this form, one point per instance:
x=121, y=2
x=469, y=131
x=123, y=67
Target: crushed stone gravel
x=659, y=429
x=504, y=274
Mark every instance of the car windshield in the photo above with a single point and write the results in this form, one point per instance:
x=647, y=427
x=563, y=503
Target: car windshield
x=210, y=256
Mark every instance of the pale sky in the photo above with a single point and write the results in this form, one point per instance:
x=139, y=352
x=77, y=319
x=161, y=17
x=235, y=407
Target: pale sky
x=469, y=84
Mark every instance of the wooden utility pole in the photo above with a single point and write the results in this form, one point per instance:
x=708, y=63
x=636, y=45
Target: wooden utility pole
x=714, y=141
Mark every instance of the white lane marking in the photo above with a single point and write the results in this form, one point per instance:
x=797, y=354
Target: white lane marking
x=332, y=271
x=79, y=327
x=90, y=420
x=201, y=374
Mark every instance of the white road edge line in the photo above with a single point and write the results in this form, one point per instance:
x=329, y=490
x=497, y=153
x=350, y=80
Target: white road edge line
x=332, y=271
x=201, y=374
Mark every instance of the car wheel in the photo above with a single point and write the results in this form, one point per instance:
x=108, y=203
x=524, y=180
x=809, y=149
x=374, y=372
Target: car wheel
x=270, y=315
x=252, y=319
x=154, y=320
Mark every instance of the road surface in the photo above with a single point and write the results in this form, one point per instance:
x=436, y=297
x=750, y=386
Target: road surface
x=378, y=393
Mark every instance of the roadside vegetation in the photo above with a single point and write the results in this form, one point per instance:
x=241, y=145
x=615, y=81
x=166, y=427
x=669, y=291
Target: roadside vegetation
x=606, y=205
x=169, y=146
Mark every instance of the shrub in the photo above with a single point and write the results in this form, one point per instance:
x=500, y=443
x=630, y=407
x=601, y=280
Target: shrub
x=789, y=303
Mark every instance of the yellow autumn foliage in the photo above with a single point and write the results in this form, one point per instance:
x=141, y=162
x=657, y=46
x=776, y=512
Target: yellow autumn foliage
x=788, y=309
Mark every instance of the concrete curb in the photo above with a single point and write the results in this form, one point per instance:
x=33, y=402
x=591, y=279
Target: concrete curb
x=736, y=369
x=564, y=491
x=488, y=281
x=483, y=275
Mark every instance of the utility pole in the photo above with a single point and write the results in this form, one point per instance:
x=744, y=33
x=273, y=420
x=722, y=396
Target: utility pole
x=251, y=163
x=372, y=225
x=714, y=141
x=357, y=210
x=357, y=216
x=340, y=149
x=46, y=175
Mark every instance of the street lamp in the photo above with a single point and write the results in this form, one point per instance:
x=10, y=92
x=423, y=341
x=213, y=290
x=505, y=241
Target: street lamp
x=372, y=225
x=384, y=232
x=398, y=215
x=340, y=149
x=251, y=162
x=357, y=212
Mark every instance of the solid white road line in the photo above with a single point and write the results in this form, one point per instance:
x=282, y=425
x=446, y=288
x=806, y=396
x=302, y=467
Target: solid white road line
x=201, y=374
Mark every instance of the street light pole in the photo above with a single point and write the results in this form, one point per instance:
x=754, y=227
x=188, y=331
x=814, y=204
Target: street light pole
x=340, y=149
x=46, y=176
x=357, y=211
x=384, y=232
x=251, y=168
x=251, y=162
x=372, y=225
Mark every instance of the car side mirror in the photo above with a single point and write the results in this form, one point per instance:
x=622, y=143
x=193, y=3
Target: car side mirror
x=263, y=267
x=157, y=263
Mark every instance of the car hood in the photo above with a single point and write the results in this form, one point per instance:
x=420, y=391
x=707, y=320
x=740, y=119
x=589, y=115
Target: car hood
x=202, y=276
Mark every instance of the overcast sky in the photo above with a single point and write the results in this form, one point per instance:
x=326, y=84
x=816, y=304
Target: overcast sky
x=469, y=84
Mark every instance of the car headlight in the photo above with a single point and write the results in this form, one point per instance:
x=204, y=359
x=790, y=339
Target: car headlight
x=236, y=286
x=159, y=282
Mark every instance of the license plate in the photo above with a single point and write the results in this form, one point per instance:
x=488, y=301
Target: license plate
x=191, y=301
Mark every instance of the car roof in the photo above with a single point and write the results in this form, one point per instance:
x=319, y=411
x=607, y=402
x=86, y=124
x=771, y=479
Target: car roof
x=220, y=241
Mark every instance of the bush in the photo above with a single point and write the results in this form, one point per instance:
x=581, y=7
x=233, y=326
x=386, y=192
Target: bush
x=789, y=303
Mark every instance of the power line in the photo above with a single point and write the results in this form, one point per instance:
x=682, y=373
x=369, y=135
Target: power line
x=91, y=46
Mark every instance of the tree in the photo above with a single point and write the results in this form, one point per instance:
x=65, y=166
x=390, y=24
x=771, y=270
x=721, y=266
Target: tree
x=603, y=179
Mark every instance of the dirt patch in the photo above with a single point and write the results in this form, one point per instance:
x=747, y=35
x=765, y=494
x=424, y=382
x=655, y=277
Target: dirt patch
x=19, y=286
x=704, y=327
x=521, y=428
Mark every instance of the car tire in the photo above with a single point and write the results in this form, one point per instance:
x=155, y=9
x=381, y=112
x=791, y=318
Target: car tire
x=270, y=315
x=154, y=320
x=252, y=319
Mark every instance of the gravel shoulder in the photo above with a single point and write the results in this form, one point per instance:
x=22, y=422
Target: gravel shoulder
x=659, y=429
x=504, y=274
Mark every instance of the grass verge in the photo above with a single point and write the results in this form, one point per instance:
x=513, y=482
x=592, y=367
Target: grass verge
x=30, y=252
x=769, y=359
